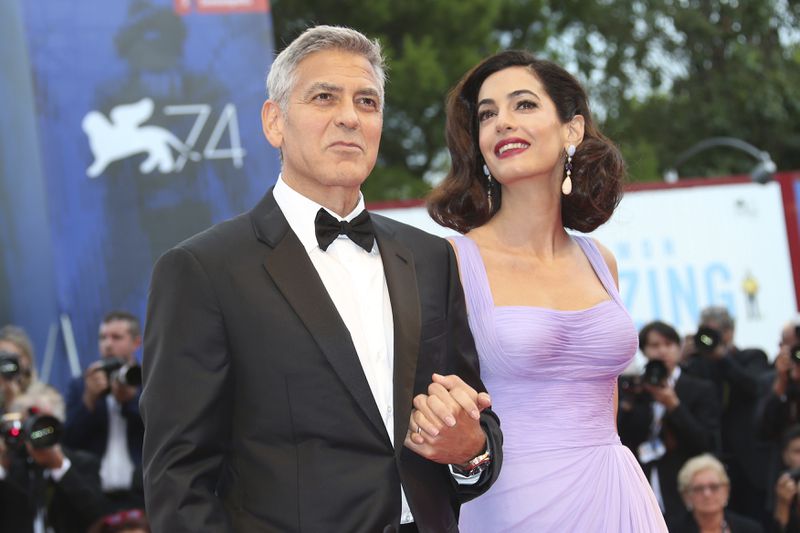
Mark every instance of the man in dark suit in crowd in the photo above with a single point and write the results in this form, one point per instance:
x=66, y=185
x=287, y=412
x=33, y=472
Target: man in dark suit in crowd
x=103, y=411
x=736, y=374
x=781, y=404
x=44, y=487
x=666, y=424
x=284, y=347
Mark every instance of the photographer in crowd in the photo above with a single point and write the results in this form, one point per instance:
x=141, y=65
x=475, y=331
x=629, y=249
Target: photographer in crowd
x=103, y=410
x=17, y=366
x=781, y=406
x=44, y=487
x=665, y=416
x=786, y=511
x=736, y=375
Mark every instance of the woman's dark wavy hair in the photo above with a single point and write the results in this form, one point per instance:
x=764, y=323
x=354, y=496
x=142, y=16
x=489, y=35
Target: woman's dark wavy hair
x=598, y=170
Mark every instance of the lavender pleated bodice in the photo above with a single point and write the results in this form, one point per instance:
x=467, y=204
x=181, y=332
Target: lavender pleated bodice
x=551, y=375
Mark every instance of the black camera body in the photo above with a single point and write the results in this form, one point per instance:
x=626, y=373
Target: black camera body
x=120, y=370
x=655, y=373
x=9, y=365
x=794, y=354
x=40, y=430
x=706, y=340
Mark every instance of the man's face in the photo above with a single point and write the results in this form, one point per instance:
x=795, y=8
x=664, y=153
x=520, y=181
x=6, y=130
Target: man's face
x=331, y=130
x=791, y=454
x=661, y=348
x=115, y=340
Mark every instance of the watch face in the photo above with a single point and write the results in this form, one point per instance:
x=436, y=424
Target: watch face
x=475, y=466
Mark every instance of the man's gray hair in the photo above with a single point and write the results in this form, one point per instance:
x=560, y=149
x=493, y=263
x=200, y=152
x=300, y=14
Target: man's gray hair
x=717, y=314
x=281, y=78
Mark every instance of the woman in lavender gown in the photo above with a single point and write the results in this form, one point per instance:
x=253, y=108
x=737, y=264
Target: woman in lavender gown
x=528, y=162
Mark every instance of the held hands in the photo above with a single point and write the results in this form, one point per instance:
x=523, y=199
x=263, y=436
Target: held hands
x=445, y=423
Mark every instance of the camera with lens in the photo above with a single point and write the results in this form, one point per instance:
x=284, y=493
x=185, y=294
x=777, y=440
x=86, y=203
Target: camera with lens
x=9, y=365
x=706, y=340
x=122, y=371
x=40, y=430
x=655, y=373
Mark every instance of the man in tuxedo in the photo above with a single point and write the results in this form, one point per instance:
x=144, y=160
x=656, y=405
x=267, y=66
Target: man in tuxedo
x=286, y=348
x=666, y=424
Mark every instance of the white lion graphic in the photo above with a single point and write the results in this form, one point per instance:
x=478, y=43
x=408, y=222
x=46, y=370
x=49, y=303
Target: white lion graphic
x=124, y=136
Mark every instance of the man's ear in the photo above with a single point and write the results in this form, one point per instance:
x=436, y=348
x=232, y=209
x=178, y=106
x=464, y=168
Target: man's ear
x=272, y=122
x=575, y=129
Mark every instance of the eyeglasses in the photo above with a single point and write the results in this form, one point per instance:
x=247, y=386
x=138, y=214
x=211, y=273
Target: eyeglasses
x=713, y=488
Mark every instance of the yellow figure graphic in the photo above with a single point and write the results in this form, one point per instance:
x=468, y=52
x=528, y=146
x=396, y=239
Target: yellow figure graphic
x=750, y=288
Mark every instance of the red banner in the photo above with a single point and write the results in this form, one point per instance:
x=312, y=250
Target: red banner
x=184, y=7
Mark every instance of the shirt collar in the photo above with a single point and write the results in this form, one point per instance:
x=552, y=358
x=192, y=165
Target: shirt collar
x=300, y=212
x=676, y=373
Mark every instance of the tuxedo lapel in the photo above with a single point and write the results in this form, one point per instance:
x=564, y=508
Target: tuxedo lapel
x=289, y=266
x=398, y=265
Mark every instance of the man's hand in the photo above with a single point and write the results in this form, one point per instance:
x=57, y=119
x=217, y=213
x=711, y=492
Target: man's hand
x=123, y=393
x=5, y=457
x=11, y=389
x=444, y=426
x=50, y=458
x=785, y=489
x=95, y=385
x=665, y=395
x=783, y=367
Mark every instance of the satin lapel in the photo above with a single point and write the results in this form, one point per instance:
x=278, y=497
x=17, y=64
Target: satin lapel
x=401, y=279
x=294, y=274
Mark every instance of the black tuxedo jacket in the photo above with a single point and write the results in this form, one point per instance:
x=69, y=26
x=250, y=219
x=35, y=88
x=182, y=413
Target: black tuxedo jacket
x=258, y=415
x=690, y=429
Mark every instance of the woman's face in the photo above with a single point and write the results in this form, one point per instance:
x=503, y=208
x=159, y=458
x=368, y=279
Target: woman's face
x=24, y=362
x=520, y=134
x=707, y=493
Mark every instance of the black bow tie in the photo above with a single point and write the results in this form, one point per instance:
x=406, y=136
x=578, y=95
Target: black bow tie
x=327, y=228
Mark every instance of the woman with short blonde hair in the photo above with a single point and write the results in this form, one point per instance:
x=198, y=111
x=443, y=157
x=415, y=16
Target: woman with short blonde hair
x=705, y=487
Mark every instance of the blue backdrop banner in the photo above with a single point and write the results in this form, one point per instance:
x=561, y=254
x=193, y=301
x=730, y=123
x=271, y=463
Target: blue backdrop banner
x=147, y=129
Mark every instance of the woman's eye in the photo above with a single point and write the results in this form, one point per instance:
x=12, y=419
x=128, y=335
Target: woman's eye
x=485, y=114
x=527, y=104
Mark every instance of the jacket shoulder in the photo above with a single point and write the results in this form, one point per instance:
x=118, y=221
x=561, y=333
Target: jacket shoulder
x=409, y=235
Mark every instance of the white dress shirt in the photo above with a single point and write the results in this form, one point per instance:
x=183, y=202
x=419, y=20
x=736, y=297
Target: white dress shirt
x=116, y=467
x=658, y=414
x=356, y=283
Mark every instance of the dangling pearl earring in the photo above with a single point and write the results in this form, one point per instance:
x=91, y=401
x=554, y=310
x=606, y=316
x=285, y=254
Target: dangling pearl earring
x=566, y=185
x=488, y=185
